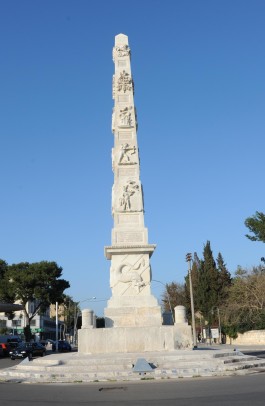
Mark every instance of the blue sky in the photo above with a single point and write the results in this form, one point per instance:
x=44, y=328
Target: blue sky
x=198, y=68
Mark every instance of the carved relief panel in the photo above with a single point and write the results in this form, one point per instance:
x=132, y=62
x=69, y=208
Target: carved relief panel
x=127, y=117
x=124, y=155
x=120, y=51
x=130, y=276
x=124, y=82
x=127, y=197
x=127, y=154
x=130, y=197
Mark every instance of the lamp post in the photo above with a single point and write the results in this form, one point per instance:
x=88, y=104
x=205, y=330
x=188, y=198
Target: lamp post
x=168, y=299
x=56, y=326
x=76, y=315
x=189, y=259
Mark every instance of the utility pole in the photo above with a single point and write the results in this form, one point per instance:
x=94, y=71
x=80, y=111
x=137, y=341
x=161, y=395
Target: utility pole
x=189, y=259
x=56, y=323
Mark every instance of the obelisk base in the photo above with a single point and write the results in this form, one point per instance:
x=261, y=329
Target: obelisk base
x=134, y=339
x=131, y=312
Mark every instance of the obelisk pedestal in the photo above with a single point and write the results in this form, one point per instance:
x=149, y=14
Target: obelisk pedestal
x=132, y=303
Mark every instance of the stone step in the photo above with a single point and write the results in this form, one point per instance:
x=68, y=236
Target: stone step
x=158, y=373
x=88, y=365
x=71, y=369
x=224, y=354
x=239, y=359
x=131, y=359
x=246, y=364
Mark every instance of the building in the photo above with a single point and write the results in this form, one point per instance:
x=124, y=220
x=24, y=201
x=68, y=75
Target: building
x=42, y=325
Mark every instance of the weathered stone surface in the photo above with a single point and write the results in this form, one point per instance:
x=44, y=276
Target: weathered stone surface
x=135, y=339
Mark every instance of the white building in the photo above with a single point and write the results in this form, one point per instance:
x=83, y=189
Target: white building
x=42, y=325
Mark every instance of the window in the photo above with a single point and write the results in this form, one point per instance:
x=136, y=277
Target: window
x=2, y=323
x=16, y=323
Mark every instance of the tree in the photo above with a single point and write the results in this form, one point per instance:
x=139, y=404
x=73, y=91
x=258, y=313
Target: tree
x=3, y=268
x=69, y=312
x=210, y=282
x=5, y=295
x=37, y=282
x=256, y=225
x=245, y=305
x=173, y=295
x=224, y=280
x=207, y=288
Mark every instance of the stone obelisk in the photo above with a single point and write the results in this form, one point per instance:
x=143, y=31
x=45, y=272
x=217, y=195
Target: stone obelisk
x=132, y=317
x=132, y=303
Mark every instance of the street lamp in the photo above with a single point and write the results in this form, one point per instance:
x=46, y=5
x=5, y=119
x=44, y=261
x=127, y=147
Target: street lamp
x=168, y=299
x=189, y=259
x=56, y=326
x=76, y=315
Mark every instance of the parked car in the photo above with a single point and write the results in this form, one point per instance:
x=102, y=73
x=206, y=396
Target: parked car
x=7, y=344
x=7, y=338
x=13, y=344
x=4, y=349
x=27, y=350
x=47, y=342
x=62, y=346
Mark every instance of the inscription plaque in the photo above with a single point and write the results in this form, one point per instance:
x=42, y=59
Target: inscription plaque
x=127, y=237
x=123, y=98
x=125, y=135
x=122, y=63
x=131, y=172
x=128, y=219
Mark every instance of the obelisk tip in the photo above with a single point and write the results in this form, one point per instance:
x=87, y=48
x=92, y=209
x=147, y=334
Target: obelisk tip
x=121, y=39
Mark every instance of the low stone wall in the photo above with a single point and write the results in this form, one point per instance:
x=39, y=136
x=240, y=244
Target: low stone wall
x=253, y=337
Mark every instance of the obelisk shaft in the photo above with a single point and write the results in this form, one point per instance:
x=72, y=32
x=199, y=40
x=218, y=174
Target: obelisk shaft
x=130, y=273
x=127, y=196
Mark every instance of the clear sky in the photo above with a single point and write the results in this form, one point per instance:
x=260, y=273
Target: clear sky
x=198, y=68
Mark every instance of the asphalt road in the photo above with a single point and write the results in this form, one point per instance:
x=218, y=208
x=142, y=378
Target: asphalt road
x=259, y=354
x=234, y=391
x=6, y=362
